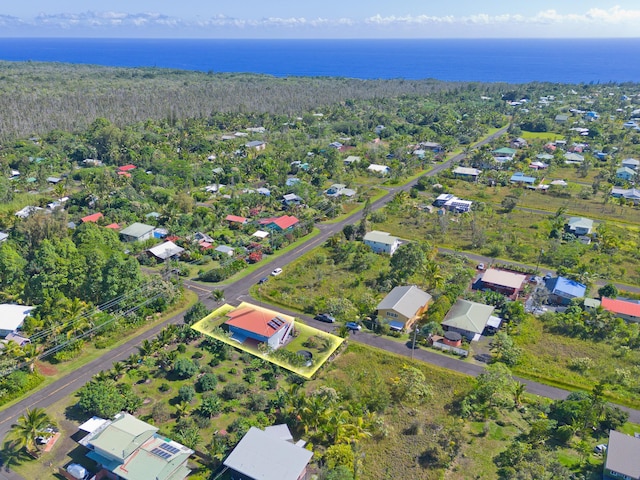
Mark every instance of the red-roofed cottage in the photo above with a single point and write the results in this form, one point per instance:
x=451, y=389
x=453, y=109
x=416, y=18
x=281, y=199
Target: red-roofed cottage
x=280, y=224
x=113, y=226
x=94, y=217
x=629, y=311
x=236, y=219
x=259, y=324
x=126, y=168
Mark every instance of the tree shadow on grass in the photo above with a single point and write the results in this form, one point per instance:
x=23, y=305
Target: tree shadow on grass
x=12, y=455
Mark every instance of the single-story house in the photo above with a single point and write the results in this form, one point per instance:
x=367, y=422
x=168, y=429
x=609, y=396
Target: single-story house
x=91, y=162
x=166, y=251
x=433, y=146
x=443, y=198
x=573, y=157
x=381, y=169
x=467, y=173
x=520, y=177
x=268, y=454
x=202, y=237
x=631, y=163
x=504, y=152
x=28, y=210
x=126, y=168
x=54, y=180
x=256, y=145
x=285, y=222
x=291, y=200
x=502, y=281
x=632, y=194
x=561, y=118
x=625, y=309
x=339, y=189
x=350, y=160
x=155, y=215
x=458, y=205
x=113, y=226
x=226, y=250
x=253, y=324
x=93, y=218
x=261, y=234
x=3, y=236
x=580, y=225
x=403, y=306
x=292, y=181
x=469, y=319
x=622, y=459
x=263, y=191
x=134, y=450
x=563, y=290
x=625, y=173
x=381, y=242
x=538, y=165
x=12, y=317
x=236, y=219
x=519, y=142
x=137, y=232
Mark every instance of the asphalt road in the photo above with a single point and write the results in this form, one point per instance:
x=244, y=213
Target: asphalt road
x=237, y=292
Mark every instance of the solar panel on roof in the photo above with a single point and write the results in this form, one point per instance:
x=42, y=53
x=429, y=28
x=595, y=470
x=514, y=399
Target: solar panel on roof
x=161, y=453
x=169, y=448
x=272, y=325
x=277, y=321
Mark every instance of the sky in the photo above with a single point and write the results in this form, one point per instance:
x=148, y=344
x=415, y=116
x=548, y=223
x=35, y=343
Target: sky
x=321, y=19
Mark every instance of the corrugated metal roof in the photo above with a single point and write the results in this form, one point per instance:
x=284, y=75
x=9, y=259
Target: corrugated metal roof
x=405, y=300
x=469, y=316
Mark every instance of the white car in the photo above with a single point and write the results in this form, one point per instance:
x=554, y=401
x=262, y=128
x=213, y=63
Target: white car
x=276, y=272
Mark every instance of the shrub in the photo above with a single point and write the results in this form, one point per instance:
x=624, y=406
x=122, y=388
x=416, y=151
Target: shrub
x=185, y=368
x=233, y=391
x=186, y=393
x=207, y=382
x=164, y=387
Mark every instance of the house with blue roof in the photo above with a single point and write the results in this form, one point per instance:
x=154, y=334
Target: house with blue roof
x=520, y=177
x=625, y=173
x=563, y=290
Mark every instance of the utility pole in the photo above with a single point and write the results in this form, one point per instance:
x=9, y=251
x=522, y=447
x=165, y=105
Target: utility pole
x=415, y=334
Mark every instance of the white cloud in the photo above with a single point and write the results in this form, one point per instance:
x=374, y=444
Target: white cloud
x=481, y=22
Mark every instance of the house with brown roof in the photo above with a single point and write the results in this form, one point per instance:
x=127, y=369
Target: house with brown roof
x=502, y=281
x=625, y=309
x=253, y=324
x=236, y=219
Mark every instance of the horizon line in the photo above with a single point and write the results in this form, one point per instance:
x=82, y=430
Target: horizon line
x=307, y=39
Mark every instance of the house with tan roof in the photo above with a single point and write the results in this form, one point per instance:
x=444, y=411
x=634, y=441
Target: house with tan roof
x=502, y=281
x=403, y=306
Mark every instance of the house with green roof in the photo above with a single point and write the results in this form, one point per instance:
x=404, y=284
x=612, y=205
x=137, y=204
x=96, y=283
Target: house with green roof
x=137, y=232
x=132, y=449
x=470, y=319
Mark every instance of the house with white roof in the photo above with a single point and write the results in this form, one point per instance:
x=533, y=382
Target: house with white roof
x=12, y=318
x=381, y=169
x=166, y=251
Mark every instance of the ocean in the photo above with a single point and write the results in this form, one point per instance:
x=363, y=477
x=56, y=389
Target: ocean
x=483, y=60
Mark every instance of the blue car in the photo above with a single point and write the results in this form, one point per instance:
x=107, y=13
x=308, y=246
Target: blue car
x=353, y=326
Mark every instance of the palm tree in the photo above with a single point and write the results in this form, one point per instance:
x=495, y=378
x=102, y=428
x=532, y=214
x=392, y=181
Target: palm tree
x=29, y=427
x=118, y=369
x=182, y=409
x=218, y=295
x=518, y=390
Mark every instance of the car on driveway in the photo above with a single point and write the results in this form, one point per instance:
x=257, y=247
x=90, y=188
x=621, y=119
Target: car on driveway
x=263, y=280
x=353, y=326
x=480, y=266
x=325, y=317
x=276, y=272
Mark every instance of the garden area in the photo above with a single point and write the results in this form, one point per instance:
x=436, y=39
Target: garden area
x=304, y=353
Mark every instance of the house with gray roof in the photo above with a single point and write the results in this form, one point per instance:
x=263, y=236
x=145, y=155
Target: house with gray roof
x=137, y=232
x=631, y=163
x=134, y=450
x=381, y=242
x=622, y=459
x=580, y=225
x=403, y=306
x=268, y=455
x=3, y=236
x=632, y=194
x=469, y=319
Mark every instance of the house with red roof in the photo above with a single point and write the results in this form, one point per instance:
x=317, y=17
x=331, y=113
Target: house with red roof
x=236, y=219
x=625, y=309
x=280, y=224
x=94, y=217
x=113, y=226
x=252, y=324
x=126, y=168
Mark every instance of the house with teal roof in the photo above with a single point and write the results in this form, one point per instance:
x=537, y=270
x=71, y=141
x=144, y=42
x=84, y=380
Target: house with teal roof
x=131, y=449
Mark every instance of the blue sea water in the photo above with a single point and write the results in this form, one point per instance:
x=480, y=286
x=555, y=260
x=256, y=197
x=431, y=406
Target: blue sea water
x=485, y=60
